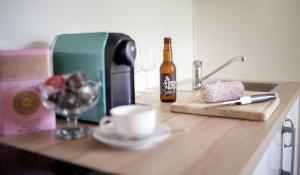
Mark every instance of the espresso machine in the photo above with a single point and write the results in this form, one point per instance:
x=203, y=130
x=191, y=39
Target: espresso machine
x=105, y=57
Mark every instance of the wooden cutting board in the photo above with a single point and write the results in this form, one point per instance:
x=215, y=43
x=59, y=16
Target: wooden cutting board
x=256, y=111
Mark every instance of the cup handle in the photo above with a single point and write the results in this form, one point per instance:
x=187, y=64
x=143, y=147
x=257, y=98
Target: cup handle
x=107, y=125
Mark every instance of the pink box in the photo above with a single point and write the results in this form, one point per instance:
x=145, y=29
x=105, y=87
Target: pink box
x=21, y=108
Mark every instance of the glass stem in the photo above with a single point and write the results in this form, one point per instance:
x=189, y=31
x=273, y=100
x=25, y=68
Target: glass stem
x=72, y=121
x=146, y=80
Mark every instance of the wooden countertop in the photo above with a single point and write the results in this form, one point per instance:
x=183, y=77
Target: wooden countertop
x=210, y=146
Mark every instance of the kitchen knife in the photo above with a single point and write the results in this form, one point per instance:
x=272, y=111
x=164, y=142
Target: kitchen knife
x=243, y=100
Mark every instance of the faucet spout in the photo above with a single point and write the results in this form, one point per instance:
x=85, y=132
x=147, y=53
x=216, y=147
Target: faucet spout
x=239, y=58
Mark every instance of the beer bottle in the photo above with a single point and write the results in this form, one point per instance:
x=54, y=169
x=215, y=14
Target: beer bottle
x=167, y=74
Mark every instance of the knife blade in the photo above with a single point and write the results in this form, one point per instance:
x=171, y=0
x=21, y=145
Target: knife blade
x=243, y=100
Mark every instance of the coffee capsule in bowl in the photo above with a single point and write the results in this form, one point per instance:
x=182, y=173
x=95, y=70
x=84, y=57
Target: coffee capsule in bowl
x=55, y=97
x=76, y=80
x=69, y=101
x=87, y=94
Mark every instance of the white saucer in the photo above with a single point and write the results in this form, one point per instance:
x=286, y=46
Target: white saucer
x=160, y=133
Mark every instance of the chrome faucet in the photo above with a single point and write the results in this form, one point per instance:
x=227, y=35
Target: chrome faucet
x=199, y=80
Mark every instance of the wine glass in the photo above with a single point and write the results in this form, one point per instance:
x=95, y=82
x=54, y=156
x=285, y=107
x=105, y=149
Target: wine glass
x=148, y=64
x=70, y=104
x=137, y=64
x=137, y=69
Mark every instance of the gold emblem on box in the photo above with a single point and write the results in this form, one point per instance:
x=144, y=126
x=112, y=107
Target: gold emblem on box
x=26, y=102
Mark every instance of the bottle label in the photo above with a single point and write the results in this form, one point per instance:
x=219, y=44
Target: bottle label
x=167, y=84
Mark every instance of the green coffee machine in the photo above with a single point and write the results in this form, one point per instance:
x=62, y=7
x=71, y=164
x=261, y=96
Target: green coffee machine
x=105, y=57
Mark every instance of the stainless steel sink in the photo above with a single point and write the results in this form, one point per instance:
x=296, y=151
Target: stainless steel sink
x=260, y=87
x=249, y=86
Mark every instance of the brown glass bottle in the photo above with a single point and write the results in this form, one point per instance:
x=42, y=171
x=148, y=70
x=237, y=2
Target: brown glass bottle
x=167, y=74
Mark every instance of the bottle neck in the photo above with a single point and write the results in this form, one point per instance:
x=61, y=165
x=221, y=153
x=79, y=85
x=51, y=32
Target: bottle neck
x=167, y=52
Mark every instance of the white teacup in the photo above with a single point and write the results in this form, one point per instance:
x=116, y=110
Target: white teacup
x=130, y=121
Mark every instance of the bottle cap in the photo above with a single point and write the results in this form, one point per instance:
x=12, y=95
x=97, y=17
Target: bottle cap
x=167, y=39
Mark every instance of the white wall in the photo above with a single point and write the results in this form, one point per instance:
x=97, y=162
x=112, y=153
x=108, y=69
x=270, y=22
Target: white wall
x=34, y=23
x=266, y=31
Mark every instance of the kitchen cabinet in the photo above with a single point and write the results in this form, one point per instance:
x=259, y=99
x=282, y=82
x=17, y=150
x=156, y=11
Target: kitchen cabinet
x=278, y=159
x=287, y=151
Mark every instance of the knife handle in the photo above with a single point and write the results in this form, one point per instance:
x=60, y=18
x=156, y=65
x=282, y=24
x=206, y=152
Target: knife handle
x=263, y=97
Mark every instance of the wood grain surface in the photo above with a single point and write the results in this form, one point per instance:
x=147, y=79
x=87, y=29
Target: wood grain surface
x=211, y=145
